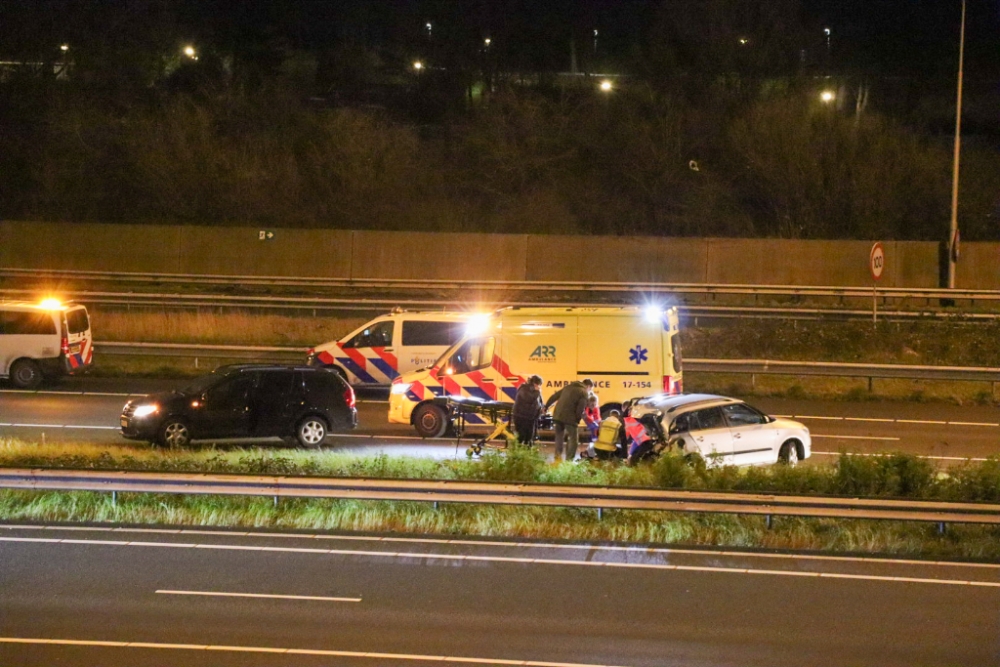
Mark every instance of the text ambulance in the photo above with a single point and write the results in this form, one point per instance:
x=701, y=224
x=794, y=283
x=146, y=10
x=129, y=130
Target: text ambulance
x=627, y=352
x=398, y=342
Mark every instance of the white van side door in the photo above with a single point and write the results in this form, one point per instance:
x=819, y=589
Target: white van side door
x=422, y=342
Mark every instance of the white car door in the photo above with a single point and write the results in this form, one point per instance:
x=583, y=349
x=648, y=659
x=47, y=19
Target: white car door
x=709, y=434
x=754, y=441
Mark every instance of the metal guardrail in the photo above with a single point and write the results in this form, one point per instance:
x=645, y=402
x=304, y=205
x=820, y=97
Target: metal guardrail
x=528, y=285
x=499, y=493
x=737, y=366
x=380, y=305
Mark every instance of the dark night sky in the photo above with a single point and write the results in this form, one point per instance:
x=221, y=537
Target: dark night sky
x=885, y=36
x=901, y=36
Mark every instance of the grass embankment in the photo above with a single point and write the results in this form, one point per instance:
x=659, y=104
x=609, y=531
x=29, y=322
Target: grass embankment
x=924, y=343
x=890, y=476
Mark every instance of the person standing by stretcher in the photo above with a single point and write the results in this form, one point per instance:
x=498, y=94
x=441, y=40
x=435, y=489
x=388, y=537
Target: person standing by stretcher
x=528, y=406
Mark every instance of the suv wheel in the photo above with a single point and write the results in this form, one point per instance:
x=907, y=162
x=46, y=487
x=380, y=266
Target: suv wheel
x=311, y=432
x=174, y=433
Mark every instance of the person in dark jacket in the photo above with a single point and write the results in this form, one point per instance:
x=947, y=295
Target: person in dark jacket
x=528, y=406
x=570, y=402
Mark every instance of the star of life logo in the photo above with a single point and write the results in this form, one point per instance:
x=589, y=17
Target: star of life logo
x=638, y=354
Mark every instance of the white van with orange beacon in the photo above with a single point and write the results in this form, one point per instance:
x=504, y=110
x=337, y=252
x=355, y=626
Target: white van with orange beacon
x=43, y=340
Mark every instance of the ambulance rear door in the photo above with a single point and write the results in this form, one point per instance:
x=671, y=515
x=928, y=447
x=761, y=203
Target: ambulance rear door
x=621, y=353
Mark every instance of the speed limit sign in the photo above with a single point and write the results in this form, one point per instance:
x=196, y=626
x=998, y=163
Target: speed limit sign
x=877, y=261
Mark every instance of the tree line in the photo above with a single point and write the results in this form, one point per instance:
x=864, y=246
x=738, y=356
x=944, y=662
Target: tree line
x=718, y=130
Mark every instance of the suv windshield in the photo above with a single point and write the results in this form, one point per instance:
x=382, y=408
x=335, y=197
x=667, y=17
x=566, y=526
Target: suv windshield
x=200, y=384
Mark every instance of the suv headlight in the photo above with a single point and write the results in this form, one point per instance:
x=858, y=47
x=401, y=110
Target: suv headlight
x=145, y=410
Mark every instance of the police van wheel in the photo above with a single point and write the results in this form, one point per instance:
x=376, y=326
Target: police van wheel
x=25, y=374
x=430, y=421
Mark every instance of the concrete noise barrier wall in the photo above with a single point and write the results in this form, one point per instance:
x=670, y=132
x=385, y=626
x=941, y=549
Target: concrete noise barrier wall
x=508, y=257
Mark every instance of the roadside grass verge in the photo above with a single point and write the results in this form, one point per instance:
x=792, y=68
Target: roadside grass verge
x=896, y=475
x=899, y=539
x=233, y=327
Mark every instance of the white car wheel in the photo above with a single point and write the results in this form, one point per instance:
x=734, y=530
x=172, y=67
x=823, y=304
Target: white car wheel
x=789, y=454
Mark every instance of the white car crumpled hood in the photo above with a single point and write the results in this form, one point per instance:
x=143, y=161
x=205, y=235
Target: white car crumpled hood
x=788, y=425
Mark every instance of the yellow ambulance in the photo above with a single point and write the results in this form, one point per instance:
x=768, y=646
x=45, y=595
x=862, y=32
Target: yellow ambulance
x=628, y=352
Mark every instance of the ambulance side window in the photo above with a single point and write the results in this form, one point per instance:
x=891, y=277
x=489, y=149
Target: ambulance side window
x=474, y=355
x=377, y=335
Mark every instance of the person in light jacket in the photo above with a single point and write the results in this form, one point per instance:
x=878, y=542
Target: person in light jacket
x=528, y=406
x=570, y=402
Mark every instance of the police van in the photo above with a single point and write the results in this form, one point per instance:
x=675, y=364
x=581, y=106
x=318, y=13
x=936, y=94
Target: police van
x=40, y=340
x=399, y=342
x=627, y=352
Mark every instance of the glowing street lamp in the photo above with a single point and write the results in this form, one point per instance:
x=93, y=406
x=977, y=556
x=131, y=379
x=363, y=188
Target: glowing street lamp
x=64, y=47
x=417, y=65
x=827, y=96
x=190, y=52
x=606, y=86
x=487, y=41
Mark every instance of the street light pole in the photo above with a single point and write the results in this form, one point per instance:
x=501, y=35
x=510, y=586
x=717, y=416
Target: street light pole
x=953, y=229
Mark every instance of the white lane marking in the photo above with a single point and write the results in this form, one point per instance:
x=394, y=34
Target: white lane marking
x=75, y=426
x=444, y=442
x=928, y=456
x=408, y=657
x=414, y=555
x=362, y=436
x=974, y=424
x=268, y=596
x=855, y=437
x=890, y=420
x=488, y=543
x=68, y=393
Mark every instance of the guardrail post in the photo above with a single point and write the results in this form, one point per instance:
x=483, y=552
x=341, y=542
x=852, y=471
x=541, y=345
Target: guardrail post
x=276, y=501
x=942, y=527
x=871, y=384
x=114, y=499
x=769, y=522
x=435, y=504
x=600, y=513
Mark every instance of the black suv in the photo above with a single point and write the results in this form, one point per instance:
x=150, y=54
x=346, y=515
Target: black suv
x=245, y=401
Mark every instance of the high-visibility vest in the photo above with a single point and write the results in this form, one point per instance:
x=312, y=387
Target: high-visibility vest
x=635, y=431
x=607, y=434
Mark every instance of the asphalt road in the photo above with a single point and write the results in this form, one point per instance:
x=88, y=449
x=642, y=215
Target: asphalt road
x=87, y=409
x=112, y=596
